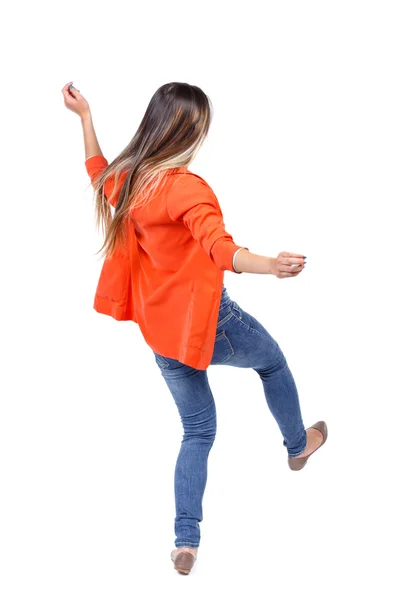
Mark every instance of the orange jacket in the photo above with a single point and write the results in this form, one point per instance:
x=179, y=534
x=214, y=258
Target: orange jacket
x=169, y=279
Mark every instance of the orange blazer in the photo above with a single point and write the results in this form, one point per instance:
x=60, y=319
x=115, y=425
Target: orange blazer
x=169, y=278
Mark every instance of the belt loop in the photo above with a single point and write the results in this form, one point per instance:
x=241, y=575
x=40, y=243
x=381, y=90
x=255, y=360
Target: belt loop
x=225, y=299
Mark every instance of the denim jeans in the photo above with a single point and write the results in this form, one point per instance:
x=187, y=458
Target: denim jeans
x=241, y=341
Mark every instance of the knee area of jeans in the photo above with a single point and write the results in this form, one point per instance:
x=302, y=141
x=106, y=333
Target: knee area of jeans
x=278, y=363
x=198, y=438
x=279, y=358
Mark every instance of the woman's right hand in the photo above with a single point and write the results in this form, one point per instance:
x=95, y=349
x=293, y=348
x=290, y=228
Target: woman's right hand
x=74, y=100
x=282, y=265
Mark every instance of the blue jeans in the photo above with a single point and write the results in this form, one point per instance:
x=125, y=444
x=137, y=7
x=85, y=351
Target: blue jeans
x=241, y=341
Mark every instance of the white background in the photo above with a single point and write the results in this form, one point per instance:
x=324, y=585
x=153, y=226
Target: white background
x=303, y=156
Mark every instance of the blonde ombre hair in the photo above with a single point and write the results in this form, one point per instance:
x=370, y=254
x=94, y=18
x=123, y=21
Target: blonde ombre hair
x=169, y=136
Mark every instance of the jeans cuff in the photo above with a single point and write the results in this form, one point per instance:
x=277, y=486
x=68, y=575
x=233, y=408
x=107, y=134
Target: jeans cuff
x=293, y=454
x=186, y=544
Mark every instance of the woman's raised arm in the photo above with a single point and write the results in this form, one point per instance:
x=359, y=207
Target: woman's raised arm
x=75, y=102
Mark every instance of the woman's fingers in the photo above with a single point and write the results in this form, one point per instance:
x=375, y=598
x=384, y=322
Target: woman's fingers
x=295, y=272
x=69, y=98
x=74, y=92
x=288, y=264
x=74, y=100
x=66, y=86
x=65, y=90
x=289, y=254
x=289, y=259
x=293, y=261
x=291, y=266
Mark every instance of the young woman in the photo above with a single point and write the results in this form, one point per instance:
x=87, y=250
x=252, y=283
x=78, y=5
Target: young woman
x=166, y=250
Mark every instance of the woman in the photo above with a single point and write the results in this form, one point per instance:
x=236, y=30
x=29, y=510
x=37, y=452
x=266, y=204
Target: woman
x=166, y=250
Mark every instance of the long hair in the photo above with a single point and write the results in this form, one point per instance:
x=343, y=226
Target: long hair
x=169, y=136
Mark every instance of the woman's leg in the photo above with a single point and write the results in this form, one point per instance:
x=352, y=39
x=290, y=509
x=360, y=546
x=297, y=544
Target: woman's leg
x=194, y=400
x=283, y=401
x=251, y=346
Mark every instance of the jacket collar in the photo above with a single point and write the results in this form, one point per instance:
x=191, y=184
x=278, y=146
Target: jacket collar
x=178, y=170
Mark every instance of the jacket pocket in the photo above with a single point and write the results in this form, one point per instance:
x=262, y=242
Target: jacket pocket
x=114, y=280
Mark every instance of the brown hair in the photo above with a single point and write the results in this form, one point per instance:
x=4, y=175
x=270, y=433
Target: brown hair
x=169, y=136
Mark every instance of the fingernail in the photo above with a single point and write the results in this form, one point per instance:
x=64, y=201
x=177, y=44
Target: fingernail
x=305, y=257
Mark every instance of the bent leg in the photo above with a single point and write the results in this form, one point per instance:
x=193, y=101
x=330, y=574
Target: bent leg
x=283, y=401
x=246, y=343
x=195, y=403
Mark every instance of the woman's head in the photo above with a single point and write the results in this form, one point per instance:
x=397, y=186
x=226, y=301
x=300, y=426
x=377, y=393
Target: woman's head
x=172, y=130
x=174, y=125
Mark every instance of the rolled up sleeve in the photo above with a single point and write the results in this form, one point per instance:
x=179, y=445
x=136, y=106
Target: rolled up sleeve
x=95, y=165
x=234, y=258
x=193, y=202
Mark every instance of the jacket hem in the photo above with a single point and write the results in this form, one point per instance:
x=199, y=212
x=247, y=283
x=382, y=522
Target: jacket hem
x=110, y=308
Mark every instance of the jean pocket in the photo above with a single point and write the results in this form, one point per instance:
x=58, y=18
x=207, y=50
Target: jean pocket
x=161, y=361
x=236, y=310
x=223, y=350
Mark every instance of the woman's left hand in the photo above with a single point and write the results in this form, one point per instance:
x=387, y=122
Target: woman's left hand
x=74, y=100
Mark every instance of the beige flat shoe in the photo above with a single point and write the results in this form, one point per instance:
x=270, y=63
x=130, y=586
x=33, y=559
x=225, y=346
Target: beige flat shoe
x=183, y=561
x=295, y=463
